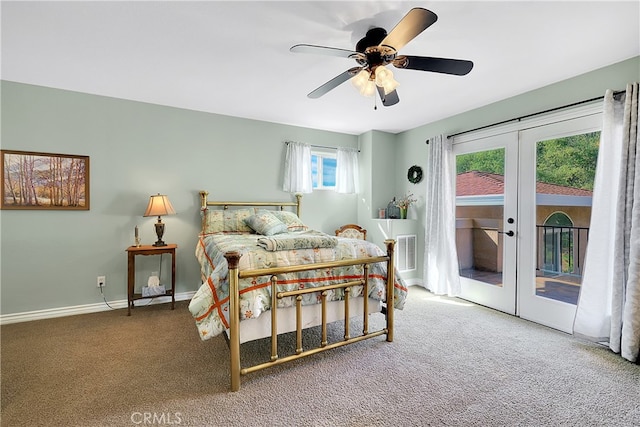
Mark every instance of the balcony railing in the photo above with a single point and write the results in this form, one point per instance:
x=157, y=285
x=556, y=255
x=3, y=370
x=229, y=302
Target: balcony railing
x=561, y=249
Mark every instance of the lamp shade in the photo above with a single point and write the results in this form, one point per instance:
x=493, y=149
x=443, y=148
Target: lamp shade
x=360, y=80
x=159, y=205
x=384, y=79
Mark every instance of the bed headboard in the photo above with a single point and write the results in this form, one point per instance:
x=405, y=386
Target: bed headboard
x=205, y=203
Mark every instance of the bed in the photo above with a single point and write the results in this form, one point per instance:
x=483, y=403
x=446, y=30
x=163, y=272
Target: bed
x=265, y=273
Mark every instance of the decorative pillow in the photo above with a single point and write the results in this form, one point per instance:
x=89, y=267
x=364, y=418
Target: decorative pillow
x=265, y=223
x=290, y=219
x=227, y=220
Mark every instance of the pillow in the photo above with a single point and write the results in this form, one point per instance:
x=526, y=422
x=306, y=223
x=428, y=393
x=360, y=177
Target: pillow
x=291, y=220
x=265, y=223
x=227, y=220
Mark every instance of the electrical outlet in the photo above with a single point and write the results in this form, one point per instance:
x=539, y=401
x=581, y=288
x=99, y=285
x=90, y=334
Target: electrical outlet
x=102, y=281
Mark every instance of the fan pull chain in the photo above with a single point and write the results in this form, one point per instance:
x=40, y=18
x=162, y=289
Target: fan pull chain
x=375, y=102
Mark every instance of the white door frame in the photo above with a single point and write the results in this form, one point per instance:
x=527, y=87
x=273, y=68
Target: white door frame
x=555, y=314
x=546, y=311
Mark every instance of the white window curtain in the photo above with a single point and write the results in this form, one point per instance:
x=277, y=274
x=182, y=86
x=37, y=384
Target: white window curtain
x=297, y=168
x=441, y=274
x=347, y=178
x=609, y=305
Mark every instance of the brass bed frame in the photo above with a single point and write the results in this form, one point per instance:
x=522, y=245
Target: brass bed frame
x=235, y=275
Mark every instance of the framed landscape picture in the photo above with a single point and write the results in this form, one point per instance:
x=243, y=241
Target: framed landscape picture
x=44, y=181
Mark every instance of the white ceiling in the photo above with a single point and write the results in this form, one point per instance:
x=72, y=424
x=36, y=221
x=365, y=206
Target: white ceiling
x=233, y=58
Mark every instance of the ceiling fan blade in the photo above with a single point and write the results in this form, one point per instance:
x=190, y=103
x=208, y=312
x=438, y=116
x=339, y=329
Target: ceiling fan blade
x=324, y=50
x=389, y=99
x=334, y=82
x=458, y=67
x=413, y=23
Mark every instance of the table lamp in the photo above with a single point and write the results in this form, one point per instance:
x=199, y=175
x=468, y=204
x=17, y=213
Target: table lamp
x=159, y=205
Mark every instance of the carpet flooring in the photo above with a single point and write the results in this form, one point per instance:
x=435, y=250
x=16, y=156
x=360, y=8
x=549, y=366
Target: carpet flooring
x=452, y=363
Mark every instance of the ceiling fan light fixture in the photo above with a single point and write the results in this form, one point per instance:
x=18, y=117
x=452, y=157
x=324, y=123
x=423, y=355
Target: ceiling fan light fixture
x=384, y=79
x=363, y=83
x=369, y=89
x=390, y=87
x=360, y=80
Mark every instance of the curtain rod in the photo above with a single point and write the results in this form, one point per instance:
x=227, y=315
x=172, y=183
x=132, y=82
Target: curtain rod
x=318, y=146
x=323, y=146
x=533, y=114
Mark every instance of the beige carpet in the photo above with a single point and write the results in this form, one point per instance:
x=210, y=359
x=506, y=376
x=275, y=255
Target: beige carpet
x=451, y=364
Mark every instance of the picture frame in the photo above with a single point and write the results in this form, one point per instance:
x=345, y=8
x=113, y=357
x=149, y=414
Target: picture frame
x=48, y=181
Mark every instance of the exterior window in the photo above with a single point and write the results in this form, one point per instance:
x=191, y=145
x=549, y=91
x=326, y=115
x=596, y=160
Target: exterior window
x=559, y=241
x=323, y=170
x=559, y=219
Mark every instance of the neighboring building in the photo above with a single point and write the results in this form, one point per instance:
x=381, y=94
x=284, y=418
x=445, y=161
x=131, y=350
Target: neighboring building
x=562, y=217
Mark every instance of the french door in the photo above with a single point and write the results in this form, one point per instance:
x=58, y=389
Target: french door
x=486, y=214
x=522, y=217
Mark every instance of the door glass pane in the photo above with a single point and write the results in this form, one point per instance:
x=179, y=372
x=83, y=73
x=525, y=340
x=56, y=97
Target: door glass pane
x=479, y=215
x=565, y=171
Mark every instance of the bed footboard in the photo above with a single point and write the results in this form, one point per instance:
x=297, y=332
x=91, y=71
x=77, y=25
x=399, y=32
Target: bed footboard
x=234, y=309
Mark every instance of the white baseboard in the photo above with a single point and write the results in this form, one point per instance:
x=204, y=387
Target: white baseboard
x=50, y=313
x=412, y=282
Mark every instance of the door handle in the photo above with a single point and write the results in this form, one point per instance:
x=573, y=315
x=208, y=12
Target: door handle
x=509, y=233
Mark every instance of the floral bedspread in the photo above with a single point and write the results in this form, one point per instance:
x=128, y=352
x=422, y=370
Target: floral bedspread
x=210, y=305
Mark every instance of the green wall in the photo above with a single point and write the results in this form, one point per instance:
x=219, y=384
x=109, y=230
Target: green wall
x=50, y=259
x=411, y=148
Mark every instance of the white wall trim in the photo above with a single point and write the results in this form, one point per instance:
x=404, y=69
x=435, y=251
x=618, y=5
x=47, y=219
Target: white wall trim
x=51, y=313
x=414, y=282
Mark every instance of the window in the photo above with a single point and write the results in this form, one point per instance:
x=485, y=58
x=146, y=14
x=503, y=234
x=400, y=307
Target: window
x=560, y=237
x=323, y=170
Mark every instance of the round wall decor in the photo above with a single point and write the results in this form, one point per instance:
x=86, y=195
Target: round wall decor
x=415, y=174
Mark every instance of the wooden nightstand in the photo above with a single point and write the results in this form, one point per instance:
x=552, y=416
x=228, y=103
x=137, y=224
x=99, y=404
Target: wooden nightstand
x=146, y=250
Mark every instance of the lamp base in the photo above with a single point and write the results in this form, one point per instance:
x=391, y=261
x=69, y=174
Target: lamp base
x=159, y=232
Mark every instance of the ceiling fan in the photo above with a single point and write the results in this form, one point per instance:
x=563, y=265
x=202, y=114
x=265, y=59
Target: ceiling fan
x=377, y=50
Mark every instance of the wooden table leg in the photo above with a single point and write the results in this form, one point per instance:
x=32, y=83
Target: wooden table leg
x=173, y=279
x=131, y=268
